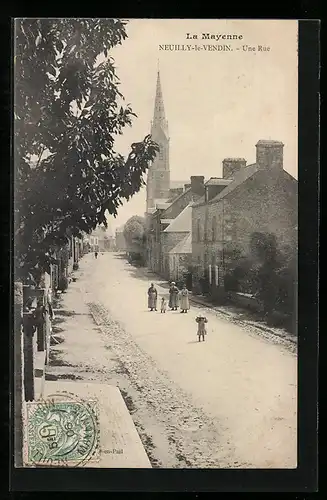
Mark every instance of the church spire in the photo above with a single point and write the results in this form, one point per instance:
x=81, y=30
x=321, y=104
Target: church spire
x=158, y=180
x=159, y=117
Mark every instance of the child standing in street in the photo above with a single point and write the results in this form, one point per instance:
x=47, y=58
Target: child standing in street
x=202, y=331
x=163, y=305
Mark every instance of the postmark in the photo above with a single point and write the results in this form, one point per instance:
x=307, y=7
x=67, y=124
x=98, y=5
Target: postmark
x=62, y=430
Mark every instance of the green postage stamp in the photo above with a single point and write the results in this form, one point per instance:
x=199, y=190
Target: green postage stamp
x=61, y=432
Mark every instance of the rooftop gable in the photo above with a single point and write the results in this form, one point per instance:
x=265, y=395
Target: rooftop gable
x=218, y=181
x=183, y=221
x=241, y=176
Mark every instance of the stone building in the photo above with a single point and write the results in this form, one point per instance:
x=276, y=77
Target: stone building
x=177, y=231
x=261, y=197
x=165, y=198
x=180, y=260
x=163, y=217
x=101, y=240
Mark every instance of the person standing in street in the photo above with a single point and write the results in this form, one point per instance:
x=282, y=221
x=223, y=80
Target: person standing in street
x=163, y=305
x=152, y=298
x=202, y=331
x=96, y=255
x=184, y=300
x=173, y=296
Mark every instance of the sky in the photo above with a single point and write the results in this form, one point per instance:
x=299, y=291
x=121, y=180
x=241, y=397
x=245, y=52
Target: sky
x=218, y=103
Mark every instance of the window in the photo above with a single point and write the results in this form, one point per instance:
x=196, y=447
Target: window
x=214, y=228
x=161, y=155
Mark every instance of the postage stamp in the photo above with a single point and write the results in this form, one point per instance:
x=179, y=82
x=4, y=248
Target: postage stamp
x=61, y=431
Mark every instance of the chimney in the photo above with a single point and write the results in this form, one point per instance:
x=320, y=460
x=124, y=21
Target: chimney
x=231, y=166
x=197, y=184
x=270, y=154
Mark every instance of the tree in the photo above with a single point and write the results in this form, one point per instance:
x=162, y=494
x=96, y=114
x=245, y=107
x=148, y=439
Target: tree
x=68, y=110
x=135, y=234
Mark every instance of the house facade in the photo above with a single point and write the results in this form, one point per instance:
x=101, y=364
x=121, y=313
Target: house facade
x=180, y=259
x=171, y=237
x=261, y=197
x=162, y=233
x=101, y=240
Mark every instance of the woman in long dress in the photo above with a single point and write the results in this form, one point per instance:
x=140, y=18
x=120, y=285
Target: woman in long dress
x=173, y=296
x=152, y=298
x=184, y=302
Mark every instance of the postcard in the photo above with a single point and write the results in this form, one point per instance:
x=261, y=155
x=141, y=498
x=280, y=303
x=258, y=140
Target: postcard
x=156, y=175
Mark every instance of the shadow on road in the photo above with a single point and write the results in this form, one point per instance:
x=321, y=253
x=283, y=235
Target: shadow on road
x=119, y=255
x=141, y=273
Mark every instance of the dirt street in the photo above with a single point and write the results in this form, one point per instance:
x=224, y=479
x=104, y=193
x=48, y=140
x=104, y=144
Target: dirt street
x=230, y=401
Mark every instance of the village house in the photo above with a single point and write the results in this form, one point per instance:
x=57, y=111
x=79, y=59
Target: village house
x=162, y=237
x=175, y=258
x=180, y=261
x=101, y=240
x=261, y=197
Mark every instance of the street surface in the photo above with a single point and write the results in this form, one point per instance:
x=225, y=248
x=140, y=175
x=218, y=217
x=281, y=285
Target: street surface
x=230, y=401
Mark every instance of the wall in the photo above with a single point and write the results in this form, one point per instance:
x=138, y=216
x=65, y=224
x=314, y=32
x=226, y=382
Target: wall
x=178, y=265
x=168, y=242
x=266, y=202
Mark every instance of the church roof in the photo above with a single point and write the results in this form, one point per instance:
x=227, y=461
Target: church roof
x=184, y=246
x=182, y=223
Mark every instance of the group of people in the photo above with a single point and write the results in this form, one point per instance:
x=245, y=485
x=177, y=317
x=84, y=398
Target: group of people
x=177, y=299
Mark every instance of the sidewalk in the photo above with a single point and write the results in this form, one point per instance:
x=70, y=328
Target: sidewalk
x=77, y=356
